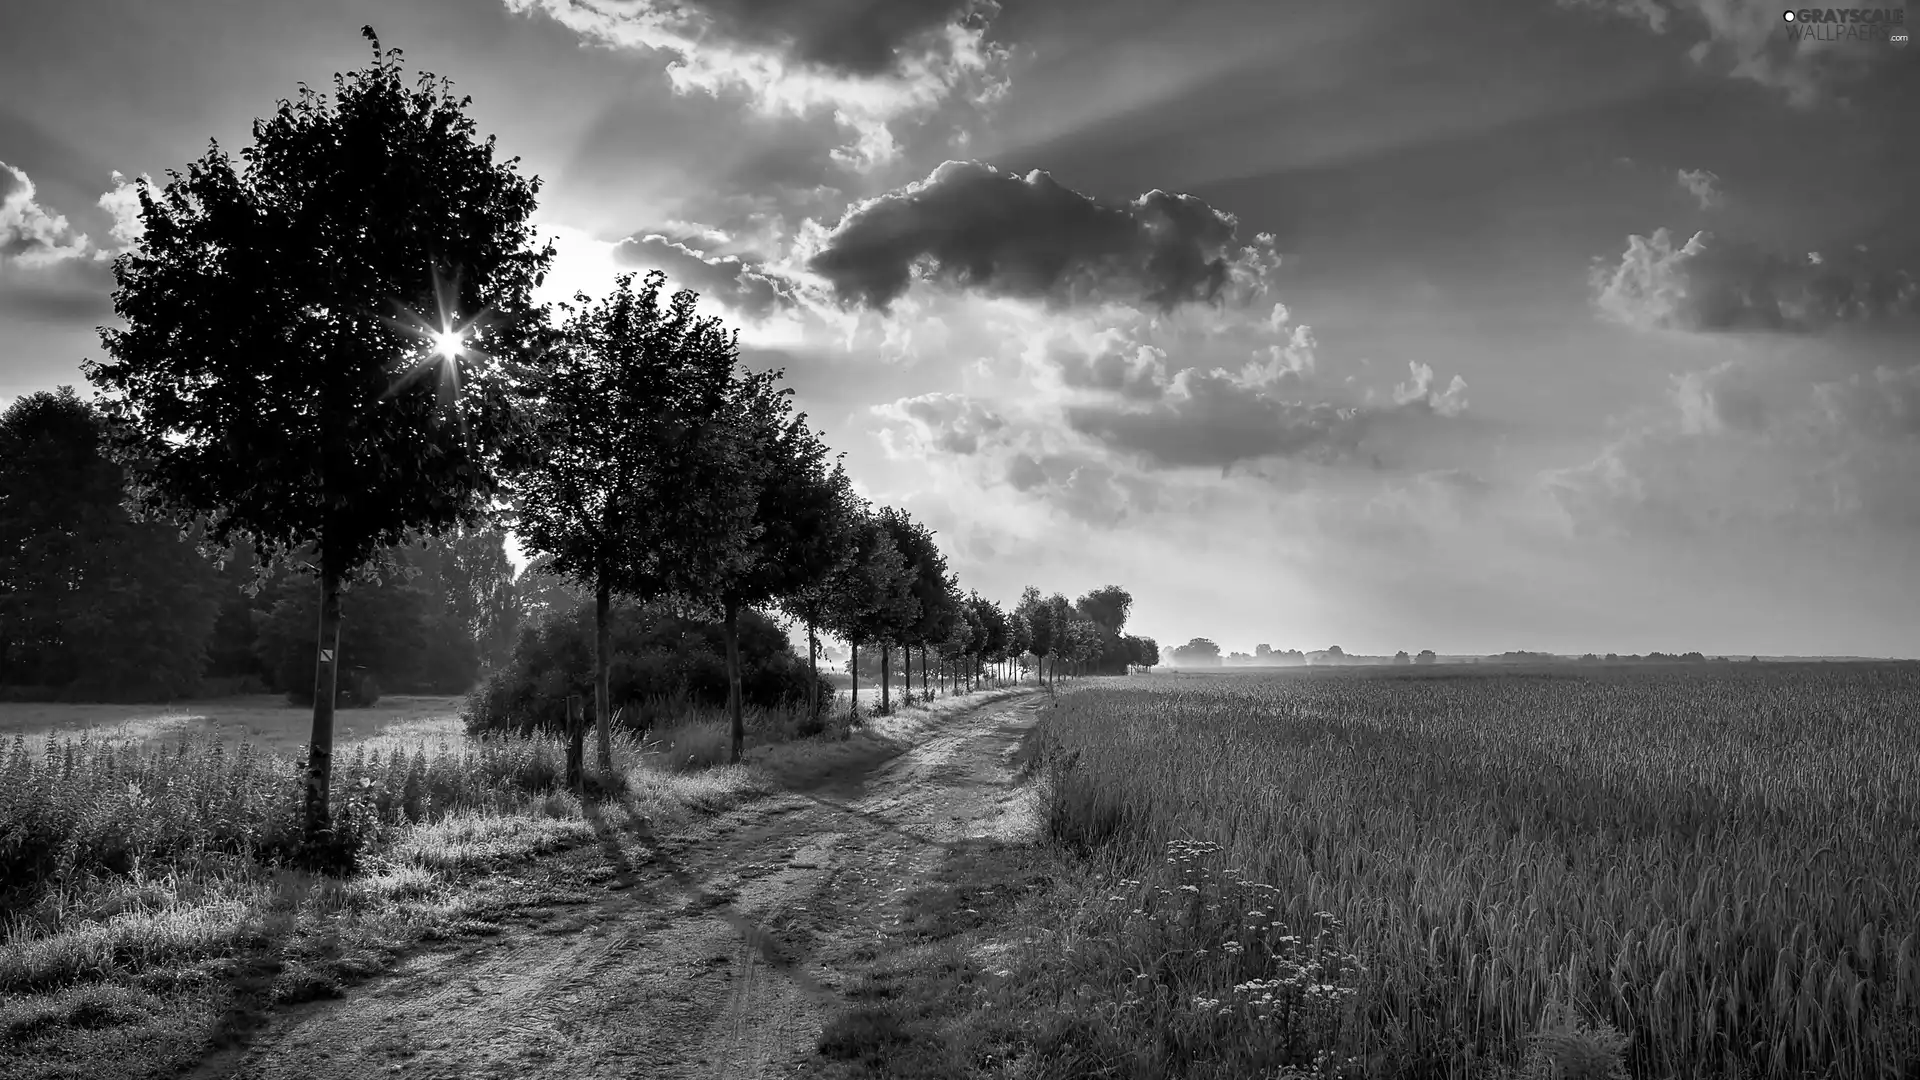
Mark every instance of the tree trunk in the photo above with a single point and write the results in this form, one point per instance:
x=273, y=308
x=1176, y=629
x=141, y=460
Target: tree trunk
x=853, y=667
x=886, y=657
x=735, y=705
x=813, y=674
x=319, y=819
x=602, y=666
x=576, y=741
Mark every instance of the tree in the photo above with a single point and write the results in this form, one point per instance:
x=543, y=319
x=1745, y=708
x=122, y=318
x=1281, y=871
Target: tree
x=791, y=499
x=539, y=593
x=1199, y=651
x=934, y=588
x=874, y=593
x=1019, y=638
x=469, y=571
x=91, y=598
x=1040, y=628
x=1108, y=607
x=275, y=374
x=1401, y=657
x=823, y=557
x=1147, y=653
x=627, y=490
x=1426, y=657
x=927, y=584
x=954, y=647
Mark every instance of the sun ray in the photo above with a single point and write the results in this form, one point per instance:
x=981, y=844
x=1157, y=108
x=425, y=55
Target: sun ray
x=447, y=340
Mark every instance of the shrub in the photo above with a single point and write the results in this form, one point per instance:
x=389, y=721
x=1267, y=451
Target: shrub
x=664, y=666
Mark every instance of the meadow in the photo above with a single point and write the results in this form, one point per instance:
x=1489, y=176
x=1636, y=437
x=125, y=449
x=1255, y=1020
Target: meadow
x=1666, y=871
x=264, y=720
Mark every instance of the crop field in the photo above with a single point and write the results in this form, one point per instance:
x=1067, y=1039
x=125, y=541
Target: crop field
x=1704, y=870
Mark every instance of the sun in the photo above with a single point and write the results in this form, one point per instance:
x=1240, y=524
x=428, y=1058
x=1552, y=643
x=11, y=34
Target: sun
x=446, y=343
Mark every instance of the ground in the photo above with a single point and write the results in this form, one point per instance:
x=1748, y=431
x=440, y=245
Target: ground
x=721, y=951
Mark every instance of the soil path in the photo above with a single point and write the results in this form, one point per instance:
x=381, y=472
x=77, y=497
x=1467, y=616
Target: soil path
x=716, y=952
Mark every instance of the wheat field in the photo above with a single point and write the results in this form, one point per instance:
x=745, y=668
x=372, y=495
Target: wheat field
x=1721, y=862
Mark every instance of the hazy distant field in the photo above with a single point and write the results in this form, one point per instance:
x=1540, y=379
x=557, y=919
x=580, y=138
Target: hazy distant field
x=264, y=719
x=1721, y=860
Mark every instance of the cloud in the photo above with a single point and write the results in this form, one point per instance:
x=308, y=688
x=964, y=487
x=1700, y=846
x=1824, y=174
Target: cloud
x=49, y=270
x=736, y=283
x=948, y=423
x=1773, y=442
x=1703, y=185
x=974, y=226
x=1113, y=362
x=1218, y=418
x=1714, y=284
x=1748, y=39
x=868, y=63
x=30, y=235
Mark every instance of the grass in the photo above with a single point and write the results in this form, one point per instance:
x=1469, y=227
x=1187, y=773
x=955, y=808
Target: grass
x=1662, y=873
x=264, y=720
x=149, y=910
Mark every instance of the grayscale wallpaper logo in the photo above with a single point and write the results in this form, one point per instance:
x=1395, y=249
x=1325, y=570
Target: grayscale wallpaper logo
x=1815, y=25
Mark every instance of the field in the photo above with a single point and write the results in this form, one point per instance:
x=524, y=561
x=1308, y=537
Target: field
x=1689, y=870
x=265, y=720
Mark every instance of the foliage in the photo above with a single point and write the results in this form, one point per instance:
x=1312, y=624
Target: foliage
x=396, y=628
x=345, y=439
x=1198, y=652
x=655, y=653
x=93, y=602
x=540, y=593
x=270, y=377
x=632, y=490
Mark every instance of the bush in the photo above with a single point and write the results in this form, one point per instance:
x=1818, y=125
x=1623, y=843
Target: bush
x=664, y=666
x=354, y=688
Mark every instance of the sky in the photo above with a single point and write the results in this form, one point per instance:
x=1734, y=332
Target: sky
x=1564, y=325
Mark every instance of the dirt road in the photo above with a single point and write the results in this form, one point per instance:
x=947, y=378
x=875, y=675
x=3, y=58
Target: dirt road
x=719, y=952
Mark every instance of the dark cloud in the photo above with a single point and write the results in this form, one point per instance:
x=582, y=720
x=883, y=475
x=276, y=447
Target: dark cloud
x=1084, y=489
x=1216, y=425
x=1118, y=366
x=1712, y=284
x=1218, y=418
x=732, y=281
x=975, y=226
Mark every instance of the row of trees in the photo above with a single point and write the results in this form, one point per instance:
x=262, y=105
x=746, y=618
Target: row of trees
x=95, y=603
x=276, y=384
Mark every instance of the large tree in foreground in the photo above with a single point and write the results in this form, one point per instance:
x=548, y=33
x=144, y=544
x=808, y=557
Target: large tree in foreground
x=320, y=348
x=631, y=407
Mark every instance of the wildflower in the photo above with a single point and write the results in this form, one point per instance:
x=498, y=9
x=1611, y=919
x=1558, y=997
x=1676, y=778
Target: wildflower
x=1233, y=948
x=1190, y=888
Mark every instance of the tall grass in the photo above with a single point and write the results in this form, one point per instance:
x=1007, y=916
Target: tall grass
x=1686, y=873
x=119, y=857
